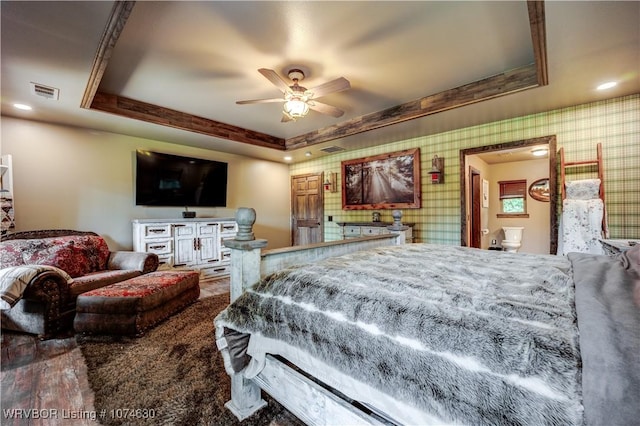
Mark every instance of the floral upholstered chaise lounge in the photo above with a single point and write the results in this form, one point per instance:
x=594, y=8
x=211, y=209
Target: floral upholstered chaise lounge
x=43, y=272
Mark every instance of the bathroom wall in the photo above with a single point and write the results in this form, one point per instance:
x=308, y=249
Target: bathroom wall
x=535, y=238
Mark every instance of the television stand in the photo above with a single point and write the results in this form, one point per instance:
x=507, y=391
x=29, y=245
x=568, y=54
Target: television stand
x=195, y=244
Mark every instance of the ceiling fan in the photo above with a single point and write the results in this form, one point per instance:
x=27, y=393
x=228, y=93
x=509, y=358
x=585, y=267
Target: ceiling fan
x=297, y=99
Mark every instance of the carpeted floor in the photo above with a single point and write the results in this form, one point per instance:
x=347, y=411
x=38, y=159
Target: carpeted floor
x=174, y=373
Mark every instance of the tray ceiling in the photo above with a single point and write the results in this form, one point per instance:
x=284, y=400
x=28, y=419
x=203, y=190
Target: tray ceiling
x=411, y=65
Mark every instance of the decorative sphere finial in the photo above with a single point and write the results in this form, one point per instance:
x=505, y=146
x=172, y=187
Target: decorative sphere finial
x=397, y=217
x=245, y=217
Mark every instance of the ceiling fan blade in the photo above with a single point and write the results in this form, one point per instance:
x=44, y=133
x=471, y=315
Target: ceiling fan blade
x=260, y=101
x=273, y=77
x=325, y=109
x=337, y=85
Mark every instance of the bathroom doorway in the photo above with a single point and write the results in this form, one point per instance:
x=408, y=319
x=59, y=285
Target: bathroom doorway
x=471, y=195
x=475, y=200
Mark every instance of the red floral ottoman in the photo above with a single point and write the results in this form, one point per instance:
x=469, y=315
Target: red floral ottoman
x=131, y=307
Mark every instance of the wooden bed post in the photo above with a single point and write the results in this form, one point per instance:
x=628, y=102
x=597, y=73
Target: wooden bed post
x=246, y=396
x=245, y=253
x=398, y=228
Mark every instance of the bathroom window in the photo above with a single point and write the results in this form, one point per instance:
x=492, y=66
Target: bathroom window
x=513, y=198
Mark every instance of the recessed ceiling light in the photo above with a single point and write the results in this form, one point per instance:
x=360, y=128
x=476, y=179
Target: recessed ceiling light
x=22, y=107
x=607, y=85
x=539, y=152
x=307, y=154
x=287, y=158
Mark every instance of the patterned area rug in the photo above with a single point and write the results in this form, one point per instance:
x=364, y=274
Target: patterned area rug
x=173, y=375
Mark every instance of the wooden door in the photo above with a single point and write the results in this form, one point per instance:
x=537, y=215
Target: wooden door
x=475, y=202
x=307, y=209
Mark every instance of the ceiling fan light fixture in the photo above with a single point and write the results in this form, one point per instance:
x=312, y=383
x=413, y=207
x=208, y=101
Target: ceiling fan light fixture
x=297, y=99
x=295, y=107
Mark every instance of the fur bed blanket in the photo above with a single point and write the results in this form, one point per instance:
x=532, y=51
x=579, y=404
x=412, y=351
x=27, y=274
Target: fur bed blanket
x=472, y=336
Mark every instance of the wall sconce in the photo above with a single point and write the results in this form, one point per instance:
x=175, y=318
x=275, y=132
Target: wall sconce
x=330, y=182
x=437, y=170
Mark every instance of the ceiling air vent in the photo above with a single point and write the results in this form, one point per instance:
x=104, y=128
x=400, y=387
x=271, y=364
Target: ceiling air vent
x=331, y=149
x=44, y=91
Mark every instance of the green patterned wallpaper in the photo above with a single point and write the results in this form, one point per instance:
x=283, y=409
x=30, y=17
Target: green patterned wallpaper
x=614, y=122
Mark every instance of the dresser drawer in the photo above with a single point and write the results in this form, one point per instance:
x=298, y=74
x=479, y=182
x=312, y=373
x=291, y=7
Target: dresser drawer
x=372, y=230
x=225, y=255
x=165, y=260
x=155, y=231
x=351, y=231
x=228, y=228
x=159, y=246
x=214, y=272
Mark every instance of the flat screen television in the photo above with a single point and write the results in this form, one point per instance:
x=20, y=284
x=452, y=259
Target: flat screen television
x=172, y=180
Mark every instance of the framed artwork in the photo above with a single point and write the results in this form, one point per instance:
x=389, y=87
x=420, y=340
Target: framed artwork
x=387, y=181
x=485, y=193
x=539, y=190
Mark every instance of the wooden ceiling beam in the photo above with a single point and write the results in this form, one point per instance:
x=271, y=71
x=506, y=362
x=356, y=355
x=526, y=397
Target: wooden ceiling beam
x=539, y=39
x=499, y=85
x=130, y=108
x=522, y=78
x=150, y=113
x=117, y=20
x=526, y=77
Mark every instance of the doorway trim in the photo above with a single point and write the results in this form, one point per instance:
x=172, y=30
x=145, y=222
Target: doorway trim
x=474, y=216
x=553, y=182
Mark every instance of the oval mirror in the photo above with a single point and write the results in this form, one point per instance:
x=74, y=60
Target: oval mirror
x=539, y=190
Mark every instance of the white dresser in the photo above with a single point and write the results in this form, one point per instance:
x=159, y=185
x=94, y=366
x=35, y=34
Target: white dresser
x=195, y=244
x=365, y=229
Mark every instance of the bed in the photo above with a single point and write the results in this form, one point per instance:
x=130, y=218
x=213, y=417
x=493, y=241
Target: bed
x=375, y=332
